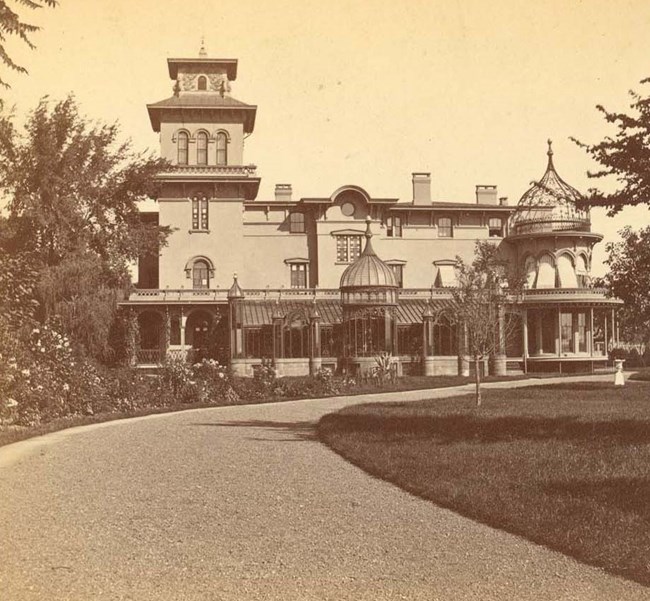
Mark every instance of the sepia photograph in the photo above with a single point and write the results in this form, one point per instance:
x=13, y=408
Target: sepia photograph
x=324, y=301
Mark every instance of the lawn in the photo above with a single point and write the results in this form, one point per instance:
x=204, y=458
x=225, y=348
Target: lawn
x=567, y=466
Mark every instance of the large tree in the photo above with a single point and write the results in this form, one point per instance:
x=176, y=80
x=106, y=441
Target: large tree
x=624, y=157
x=12, y=25
x=628, y=278
x=484, y=289
x=73, y=190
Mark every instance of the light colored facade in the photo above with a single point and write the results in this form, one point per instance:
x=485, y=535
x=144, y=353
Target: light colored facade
x=291, y=256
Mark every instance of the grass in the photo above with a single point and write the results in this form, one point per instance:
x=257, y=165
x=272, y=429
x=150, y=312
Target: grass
x=563, y=465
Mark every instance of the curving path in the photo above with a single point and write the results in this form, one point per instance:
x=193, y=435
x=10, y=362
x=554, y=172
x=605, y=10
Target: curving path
x=239, y=503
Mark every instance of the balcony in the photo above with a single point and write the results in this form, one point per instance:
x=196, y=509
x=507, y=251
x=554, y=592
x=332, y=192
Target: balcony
x=220, y=295
x=570, y=295
x=547, y=226
x=207, y=170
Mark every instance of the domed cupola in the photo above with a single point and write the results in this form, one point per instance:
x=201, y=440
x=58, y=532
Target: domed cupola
x=368, y=281
x=549, y=205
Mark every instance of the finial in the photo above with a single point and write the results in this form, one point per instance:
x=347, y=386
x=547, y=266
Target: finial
x=202, y=51
x=368, y=233
x=550, y=155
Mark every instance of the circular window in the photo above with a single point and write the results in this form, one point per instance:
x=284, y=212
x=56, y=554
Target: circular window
x=347, y=208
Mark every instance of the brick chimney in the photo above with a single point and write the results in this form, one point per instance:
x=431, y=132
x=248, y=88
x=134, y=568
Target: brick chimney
x=283, y=192
x=422, y=188
x=486, y=195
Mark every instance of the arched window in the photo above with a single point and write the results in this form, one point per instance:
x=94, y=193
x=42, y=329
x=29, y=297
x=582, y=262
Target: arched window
x=582, y=271
x=531, y=271
x=566, y=272
x=200, y=275
x=222, y=148
x=546, y=273
x=202, y=148
x=297, y=223
x=202, y=84
x=183, y=140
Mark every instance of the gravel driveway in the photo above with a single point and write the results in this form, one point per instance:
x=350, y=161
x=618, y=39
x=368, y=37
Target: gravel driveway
x=242, y=503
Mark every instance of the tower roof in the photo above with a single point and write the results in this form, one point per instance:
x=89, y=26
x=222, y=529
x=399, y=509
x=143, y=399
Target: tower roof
x=368, y=271
x=551, y=198
x=228, y=65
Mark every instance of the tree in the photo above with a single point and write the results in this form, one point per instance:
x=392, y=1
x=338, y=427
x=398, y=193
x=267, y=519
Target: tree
x=12, y=25
x=626, y=157
x=483, y=290
x=628, y=278
x=73, y=192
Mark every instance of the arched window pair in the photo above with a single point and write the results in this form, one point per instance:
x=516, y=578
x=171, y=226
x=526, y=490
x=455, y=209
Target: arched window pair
x=565, y=273
x=202, y=148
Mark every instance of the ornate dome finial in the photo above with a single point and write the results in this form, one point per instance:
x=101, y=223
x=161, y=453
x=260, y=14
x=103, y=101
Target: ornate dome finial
x=235, y=290
x=368, y=233
x=202, y=52
x=550, y=153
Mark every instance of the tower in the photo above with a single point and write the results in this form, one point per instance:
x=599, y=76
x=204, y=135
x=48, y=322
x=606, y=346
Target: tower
x=202, y=130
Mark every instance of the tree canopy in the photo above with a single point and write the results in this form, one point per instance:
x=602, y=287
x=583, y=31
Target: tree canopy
x=628, y=278
x=625, y=157
x=73, y=191
x=12, y=25
x=483, y=288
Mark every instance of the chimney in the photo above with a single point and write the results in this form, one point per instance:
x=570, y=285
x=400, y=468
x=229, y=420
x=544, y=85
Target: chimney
x=503, y=201
x=283, y=192
x=422, y=188
x=486, y=195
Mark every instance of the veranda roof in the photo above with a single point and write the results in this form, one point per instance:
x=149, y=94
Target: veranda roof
x=259, y=313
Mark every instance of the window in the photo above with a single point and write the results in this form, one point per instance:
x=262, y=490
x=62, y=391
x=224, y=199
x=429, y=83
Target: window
x=582, y=273
x=398, y=272
x=445, y=229
x=530, y=267
x=546, y=272
x=183, y=140
x=200, y=275
x=202, y=83
x=394, y=227
x=348, y=248
x=566, y=272
x=495, y=227
x=581, y=328
x=200, y=213
x=297, y=223
x=222, y=148
x=299, y=275
x=202, y=148
x=446, y=276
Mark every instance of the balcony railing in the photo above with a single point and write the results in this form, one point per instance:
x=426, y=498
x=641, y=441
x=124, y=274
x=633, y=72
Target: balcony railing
x=221, y=294
x=245, y=170
x=537, y=226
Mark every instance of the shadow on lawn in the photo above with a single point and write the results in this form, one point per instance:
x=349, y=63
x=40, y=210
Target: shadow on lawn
x=292, y=431
x=620, y=494
x=449, y=429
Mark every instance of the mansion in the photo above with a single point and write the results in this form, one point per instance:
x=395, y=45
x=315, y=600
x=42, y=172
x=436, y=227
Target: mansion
x=333, y=280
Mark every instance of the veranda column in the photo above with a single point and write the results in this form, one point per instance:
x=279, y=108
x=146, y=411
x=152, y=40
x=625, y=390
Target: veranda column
x=278, y=342
x=235, y=301
x=499, y=360
x=427, y=342
x=525, y=335
x=315, y=360
x=463, y=357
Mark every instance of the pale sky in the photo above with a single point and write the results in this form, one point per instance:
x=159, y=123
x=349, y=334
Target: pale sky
x=366, y=92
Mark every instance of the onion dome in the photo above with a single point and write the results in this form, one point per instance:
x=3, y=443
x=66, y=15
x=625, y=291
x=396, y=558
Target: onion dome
x=235, y=291
x=368, y=280
x=551, y=201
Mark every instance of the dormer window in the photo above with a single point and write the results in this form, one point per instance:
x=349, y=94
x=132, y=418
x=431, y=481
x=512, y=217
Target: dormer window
x=445, y=227
x=202, y=148
x=222, y=148
x=202, y=84
x=183, y=140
